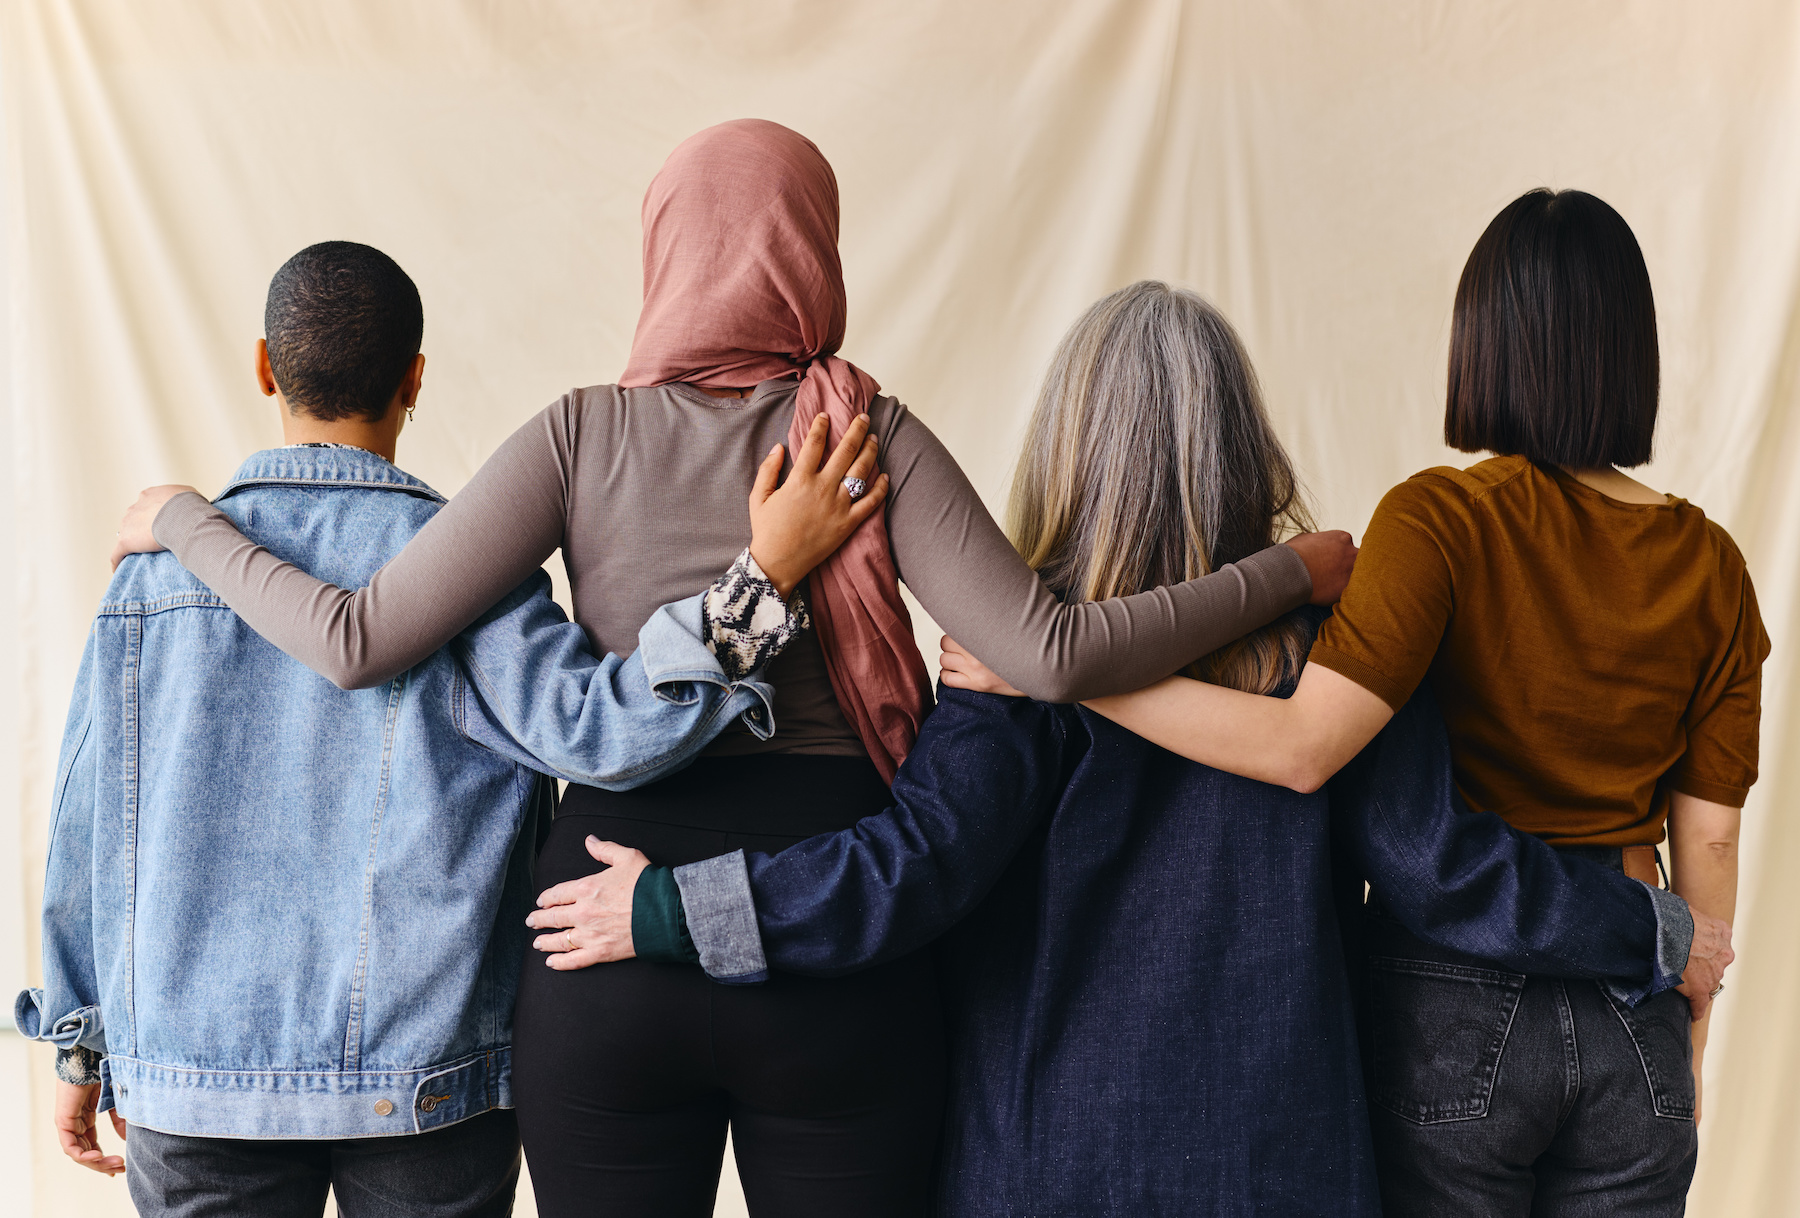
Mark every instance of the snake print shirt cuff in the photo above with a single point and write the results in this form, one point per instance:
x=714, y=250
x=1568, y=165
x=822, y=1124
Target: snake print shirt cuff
x=747, y=622
x=78, y=1066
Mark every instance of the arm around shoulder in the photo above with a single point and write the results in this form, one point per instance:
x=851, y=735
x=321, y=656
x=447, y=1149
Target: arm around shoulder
x=500, y=528
x=968, y=576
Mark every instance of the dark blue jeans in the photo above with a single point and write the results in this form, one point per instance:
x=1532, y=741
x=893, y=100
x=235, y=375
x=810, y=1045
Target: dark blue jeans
x=1495, y=1093
x=466, y=1170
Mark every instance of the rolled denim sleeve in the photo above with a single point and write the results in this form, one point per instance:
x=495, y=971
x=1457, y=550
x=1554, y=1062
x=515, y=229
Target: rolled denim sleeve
x=1674, y=940
x=1470, y=882
x=983, y=775
x=66, y=1010
x=536, y=693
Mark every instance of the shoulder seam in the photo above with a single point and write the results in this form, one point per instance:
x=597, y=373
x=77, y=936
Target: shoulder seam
x=1449, y=475
x=176, y=600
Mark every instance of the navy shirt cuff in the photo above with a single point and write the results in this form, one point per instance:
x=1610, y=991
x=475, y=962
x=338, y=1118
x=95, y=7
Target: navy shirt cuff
x=658, y=924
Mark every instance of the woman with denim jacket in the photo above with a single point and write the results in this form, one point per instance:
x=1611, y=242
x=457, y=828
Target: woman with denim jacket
x=626, y=1078
x=1597, y=651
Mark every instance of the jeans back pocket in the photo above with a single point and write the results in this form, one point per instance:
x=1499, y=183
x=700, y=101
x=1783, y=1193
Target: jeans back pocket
x=1438, y=1034
x=1662, y=1033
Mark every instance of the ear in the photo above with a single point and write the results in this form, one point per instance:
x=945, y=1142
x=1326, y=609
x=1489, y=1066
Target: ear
x=265, y=375
x=412, y=383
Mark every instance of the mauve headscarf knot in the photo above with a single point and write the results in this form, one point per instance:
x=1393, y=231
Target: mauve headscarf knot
x=742, y=284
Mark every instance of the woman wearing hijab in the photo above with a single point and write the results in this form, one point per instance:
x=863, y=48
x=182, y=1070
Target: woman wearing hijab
x=628, y=1077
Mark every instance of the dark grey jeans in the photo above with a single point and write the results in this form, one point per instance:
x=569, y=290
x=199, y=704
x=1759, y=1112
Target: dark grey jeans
x=1495, y=1093
x=467, y=1170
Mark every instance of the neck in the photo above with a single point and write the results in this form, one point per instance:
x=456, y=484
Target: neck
x=377, y=435
x=1615, y=485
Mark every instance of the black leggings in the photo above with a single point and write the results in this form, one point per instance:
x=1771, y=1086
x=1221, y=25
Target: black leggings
x=626, y=1075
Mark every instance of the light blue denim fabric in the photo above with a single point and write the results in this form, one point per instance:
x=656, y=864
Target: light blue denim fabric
x=286, y=910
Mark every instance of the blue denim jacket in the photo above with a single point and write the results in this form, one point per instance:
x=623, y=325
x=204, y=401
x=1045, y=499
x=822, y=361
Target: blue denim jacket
x=286, y=910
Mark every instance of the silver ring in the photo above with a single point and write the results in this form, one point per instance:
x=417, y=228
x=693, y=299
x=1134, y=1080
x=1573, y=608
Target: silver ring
x=857, y=488
x=569, y=938
x=1716, y=989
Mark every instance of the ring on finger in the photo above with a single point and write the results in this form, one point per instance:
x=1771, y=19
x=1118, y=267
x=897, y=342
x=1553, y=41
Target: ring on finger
x=1716, y=990
x=569, y=938
x=857, y=488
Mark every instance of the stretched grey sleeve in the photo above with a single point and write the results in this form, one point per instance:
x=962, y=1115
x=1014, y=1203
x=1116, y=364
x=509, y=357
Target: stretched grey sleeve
x=967, y=575
x=498, y=530
x=513, y=515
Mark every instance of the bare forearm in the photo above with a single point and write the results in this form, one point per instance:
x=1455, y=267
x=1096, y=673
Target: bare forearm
x=1296, y=742
x=1703, y=859
x=1703, y=854
x=1223, y=728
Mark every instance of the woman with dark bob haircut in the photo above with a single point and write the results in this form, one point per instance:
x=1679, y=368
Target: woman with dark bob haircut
x=1597, y=652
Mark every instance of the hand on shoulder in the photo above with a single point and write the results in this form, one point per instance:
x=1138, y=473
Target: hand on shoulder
x=135, y=534
x=1330, y=557
x=960, y=670
x=802, y=523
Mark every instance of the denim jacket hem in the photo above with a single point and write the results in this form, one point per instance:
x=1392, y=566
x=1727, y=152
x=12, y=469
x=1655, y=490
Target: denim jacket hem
x=305, y=1104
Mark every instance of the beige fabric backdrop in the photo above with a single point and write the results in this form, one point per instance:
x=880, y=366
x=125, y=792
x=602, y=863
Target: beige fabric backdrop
x=1319, y=169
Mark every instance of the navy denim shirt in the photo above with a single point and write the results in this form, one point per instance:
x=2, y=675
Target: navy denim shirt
x=1149, y=1007
x=286, y=910
x=977, y=783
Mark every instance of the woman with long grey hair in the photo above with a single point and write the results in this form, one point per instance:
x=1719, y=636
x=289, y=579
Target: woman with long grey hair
x=1149, y=1008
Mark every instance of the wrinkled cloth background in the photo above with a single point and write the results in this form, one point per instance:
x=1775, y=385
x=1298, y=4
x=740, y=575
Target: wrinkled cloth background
x=1318, y=169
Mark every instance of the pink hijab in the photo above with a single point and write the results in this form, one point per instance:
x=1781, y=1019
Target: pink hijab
x=742, y=284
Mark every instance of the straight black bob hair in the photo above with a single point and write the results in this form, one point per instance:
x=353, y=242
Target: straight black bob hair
x=343, y=323
x=1553, y=345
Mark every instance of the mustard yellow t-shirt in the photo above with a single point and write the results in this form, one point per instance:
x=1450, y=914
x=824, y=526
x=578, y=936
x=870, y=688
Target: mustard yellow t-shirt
x=1590, y=655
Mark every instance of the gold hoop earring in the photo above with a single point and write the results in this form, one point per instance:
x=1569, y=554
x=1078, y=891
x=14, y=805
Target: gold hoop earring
x=409, y=415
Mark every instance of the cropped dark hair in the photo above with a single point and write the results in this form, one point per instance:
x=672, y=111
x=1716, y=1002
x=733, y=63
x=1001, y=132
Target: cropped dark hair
x=1553, y=345
x=343, y=323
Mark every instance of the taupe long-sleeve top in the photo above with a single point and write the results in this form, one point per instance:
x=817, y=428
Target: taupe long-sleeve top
x=646, y=493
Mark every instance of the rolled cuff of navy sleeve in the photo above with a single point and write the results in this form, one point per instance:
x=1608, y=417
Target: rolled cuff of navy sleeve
x=1674, y=940
x=721, y=918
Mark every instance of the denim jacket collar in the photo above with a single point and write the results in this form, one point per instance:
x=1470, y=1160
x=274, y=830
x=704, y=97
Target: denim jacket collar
x=341, y=465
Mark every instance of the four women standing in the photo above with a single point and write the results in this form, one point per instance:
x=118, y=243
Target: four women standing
x=1159, y=485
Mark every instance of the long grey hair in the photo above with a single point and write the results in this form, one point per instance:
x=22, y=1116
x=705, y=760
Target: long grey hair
x=1149, y=461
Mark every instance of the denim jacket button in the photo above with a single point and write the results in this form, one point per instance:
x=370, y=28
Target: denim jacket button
x=383, y=1107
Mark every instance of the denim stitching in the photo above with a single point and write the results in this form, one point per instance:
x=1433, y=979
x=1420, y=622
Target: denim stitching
x=162, y=604
x=1663, y=1104
x=353, y=1027
x=1565, y=1015
x=1512, y=986
x=61, y=792
x=134, y=645
x=418, y=492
